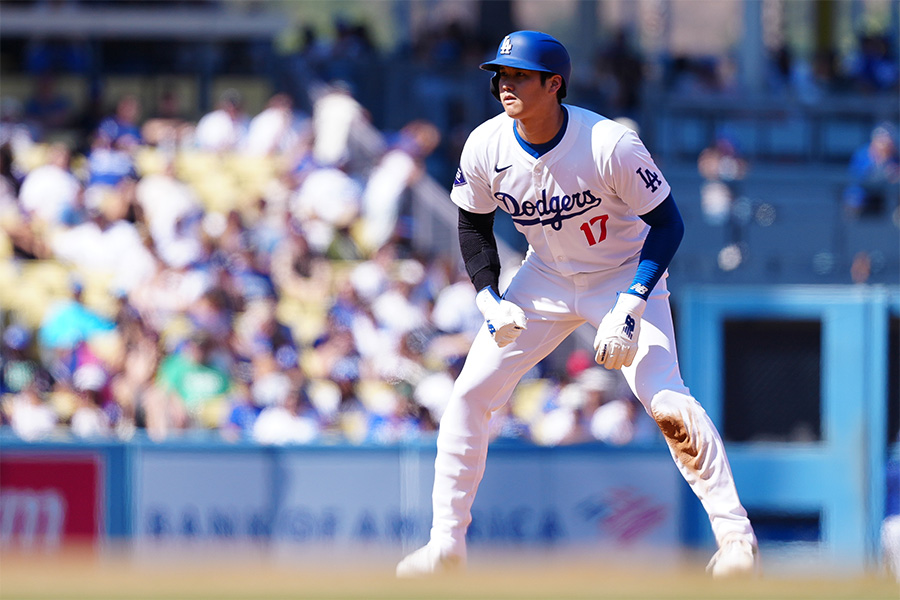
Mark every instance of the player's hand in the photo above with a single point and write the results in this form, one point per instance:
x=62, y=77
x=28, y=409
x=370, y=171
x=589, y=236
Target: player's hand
x=505, y=320
x=616, y=340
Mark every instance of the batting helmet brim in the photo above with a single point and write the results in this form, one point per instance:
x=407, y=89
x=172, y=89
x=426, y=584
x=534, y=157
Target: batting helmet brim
x=515, y=63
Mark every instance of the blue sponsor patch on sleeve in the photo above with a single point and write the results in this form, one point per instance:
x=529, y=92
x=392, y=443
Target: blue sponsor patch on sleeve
x=460, y=179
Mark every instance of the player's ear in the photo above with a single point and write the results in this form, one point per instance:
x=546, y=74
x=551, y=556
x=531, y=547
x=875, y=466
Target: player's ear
x=555, y=83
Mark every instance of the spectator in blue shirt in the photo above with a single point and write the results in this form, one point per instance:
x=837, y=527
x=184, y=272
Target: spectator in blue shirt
x=874, y=174
x=122, y=126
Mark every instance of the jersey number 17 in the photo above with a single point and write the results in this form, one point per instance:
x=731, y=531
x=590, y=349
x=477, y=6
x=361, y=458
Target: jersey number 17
x=587, y=228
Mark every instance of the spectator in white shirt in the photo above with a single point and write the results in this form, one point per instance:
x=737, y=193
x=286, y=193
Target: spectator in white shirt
x=108, y=243
x=172, y=211
x=89, y=420
x=399, y=168
x=335, y=114
x=30, y=416
x=223, y=129
x=50, y=192
x=275, y=130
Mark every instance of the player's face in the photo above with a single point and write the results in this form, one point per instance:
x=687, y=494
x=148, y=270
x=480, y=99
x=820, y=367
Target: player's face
x=523, y=95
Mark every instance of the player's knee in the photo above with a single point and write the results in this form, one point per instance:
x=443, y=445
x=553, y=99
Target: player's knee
x=675, y=409
x=682, y=421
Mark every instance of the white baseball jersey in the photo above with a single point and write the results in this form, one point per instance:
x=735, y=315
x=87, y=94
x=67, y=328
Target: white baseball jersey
x=578, y=204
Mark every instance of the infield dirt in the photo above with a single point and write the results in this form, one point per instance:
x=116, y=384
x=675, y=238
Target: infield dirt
x=109, y=575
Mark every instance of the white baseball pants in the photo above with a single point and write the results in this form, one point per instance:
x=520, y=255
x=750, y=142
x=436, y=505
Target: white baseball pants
x=555, y=306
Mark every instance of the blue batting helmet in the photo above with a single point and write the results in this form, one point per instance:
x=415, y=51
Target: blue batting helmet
x=534, y=51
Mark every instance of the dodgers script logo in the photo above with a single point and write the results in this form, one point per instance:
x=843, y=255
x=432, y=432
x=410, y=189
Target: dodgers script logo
x=550, y=212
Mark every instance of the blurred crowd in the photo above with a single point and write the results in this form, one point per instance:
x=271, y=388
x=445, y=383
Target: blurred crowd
x=871, y=67
x=250, y=275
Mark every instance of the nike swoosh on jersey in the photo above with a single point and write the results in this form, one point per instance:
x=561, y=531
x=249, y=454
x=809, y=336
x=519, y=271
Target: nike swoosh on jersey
x=497, y=168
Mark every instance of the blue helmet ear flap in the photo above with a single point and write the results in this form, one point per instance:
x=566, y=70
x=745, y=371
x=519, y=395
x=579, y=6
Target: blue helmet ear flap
x=495, y=85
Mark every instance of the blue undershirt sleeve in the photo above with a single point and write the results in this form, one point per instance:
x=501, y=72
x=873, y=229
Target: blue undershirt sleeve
x=663, y=239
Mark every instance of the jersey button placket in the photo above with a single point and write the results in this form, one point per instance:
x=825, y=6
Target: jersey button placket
x=549, y=231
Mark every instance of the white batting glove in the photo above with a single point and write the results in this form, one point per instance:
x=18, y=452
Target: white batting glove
x=505, y=320
x=617, y=336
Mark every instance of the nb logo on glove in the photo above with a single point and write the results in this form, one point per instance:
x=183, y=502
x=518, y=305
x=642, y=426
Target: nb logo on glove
x=616, y=342
x=628, y=329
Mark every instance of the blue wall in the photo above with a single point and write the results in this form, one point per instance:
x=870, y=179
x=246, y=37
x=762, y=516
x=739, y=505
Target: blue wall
x=842, y=476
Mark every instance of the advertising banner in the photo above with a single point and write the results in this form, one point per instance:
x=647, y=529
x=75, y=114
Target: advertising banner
x=615, y=500
x=360, y=499
x=199, y=495
x=50, y=498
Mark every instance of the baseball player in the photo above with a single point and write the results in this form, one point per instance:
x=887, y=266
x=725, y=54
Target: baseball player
x=602, y=228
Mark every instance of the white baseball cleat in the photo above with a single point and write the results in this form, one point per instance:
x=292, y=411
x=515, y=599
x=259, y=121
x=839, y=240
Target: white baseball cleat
x=736, y=558
x=429, y=560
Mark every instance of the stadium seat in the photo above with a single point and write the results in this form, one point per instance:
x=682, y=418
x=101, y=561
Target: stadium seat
x=6, y=246
x=528, y=399
x=150, y=161
x=307, y=319
x=251, y=175
x=9, y=280
x=50, y=275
